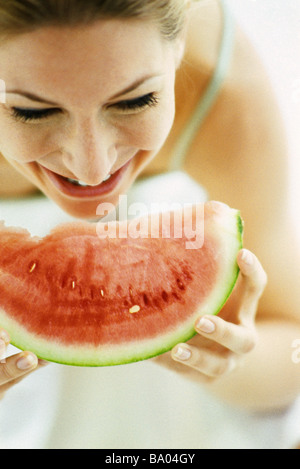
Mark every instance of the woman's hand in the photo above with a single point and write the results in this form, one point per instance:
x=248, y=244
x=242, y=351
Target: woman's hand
x=223, y=341
x=16, y=367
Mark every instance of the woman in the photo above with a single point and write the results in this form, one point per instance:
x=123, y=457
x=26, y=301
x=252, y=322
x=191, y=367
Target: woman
x=90, y=107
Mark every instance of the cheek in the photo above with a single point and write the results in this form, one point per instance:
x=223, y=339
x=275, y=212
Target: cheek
x=23, y=145
x=164, y=119
x=151, y=131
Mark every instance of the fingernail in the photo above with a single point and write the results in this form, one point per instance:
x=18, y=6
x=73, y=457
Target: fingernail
x=183, y=354
x=26, y=362
x=205, y=325
x=247, y=257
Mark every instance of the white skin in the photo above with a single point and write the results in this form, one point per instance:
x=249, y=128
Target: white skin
x=92, y=136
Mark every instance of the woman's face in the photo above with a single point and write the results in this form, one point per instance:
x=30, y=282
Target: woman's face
x=83, y=104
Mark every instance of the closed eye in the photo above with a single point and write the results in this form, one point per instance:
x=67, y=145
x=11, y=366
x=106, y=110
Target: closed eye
x=27, y=115
x=148, y=100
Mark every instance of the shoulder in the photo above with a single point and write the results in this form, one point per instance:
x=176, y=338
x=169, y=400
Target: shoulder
x=245, y=90
x=241, y=157
x=243, y=133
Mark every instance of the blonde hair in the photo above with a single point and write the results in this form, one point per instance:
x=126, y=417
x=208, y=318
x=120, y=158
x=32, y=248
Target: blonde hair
x=20, y=16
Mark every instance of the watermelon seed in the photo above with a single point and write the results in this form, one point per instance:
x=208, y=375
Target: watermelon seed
x=102, y=293
x=180, y=284
x=131, y=293
x=135, y=309
x=32, y=267
x=165, y=296
x=146, y=299
x=73, y=285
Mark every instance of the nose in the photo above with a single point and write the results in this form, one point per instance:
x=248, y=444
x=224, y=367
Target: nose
x=88, y=152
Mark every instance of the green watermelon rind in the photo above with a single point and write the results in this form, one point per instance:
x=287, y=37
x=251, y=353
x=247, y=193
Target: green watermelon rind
x=88, y=356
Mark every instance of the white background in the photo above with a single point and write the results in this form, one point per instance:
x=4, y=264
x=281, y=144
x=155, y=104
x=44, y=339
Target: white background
x=274, y=28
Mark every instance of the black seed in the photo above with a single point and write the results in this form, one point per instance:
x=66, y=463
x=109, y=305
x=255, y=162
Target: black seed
x=180, y=284
x=146, y=300
x=165, y=296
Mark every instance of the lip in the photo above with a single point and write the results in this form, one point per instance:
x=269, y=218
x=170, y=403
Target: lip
x=89, y=192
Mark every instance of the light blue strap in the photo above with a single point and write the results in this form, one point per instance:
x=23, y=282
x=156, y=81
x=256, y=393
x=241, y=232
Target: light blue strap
x=193, y=126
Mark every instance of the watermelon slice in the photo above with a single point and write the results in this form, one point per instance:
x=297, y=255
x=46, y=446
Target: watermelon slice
x=80, y=298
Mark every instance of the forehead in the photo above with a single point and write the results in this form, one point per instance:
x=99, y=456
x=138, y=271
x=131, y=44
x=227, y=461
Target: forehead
x=105, y=55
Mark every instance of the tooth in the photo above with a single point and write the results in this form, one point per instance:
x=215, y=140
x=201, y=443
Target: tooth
x=77, y=183
x=83, y=184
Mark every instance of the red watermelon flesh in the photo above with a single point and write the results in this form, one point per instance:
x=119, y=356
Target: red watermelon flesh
x=77, y=299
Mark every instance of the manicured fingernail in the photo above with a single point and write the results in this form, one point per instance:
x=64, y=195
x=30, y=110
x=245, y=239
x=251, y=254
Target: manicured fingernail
x=26, y=362
x=183, y=354
x=205, y=325
x=247, y=257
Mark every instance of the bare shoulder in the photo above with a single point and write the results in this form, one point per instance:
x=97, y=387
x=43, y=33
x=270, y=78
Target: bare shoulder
x=241, y=156
x=244, y=132
x=243, y=140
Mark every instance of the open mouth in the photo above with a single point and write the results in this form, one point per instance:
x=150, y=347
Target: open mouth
x=82, y=184
x=78, y=189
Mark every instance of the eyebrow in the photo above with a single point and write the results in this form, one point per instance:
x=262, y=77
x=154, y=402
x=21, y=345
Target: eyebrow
x=129, y=89
x=31, y=96
x=137, y=84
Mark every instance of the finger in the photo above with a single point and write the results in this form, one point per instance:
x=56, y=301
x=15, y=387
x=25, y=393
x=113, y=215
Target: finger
x=4, y=342
x=43, y=363
x=2, y=350
x=253, y=274
x=16, y=366
x=4, y=336
x=237, y=339
x=207, y=362
x=242, y=305
x=10, y=384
